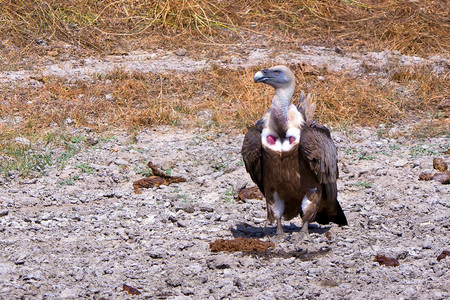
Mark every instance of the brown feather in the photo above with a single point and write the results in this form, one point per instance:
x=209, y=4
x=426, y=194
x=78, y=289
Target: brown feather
x=251, y=153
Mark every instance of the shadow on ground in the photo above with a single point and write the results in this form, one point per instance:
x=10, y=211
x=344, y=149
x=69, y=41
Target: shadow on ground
x=246, y=230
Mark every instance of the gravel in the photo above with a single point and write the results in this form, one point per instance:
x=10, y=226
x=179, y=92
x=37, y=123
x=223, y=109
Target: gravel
x=87, y=240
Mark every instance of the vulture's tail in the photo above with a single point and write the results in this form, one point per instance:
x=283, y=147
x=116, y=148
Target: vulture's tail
x=333, y=211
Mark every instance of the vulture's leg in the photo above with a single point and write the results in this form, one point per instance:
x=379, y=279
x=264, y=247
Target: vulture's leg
x=304, y=232
x=265, y=226
x=269, y=220
x=279, y=226
x=277, y=209
x=310, y=205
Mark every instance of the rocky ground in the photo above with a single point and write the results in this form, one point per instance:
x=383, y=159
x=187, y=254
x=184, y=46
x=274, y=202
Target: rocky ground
x=82, y=232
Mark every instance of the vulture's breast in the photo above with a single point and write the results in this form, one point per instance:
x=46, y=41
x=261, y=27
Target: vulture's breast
x=282, y=170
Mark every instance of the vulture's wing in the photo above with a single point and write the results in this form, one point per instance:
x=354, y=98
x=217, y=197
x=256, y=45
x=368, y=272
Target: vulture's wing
x=306, y=107
x=251, y=153
x=319, y=151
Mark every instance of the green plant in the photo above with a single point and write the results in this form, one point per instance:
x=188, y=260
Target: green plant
x=77, y=139
x=70, y=150
x=350, y=151
x=85, y=168
x=420, y=150
x=68, y=181
x=363, y=156
x=23, y=159
x=229, y=194
x=144, y=172
x=394, y=147
x=364, y=184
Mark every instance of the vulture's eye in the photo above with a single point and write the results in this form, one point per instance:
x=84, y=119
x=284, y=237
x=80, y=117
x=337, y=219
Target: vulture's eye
x=277, y=72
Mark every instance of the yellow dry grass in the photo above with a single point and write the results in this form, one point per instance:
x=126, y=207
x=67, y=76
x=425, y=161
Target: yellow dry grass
x=412, y=27
x=220, y=98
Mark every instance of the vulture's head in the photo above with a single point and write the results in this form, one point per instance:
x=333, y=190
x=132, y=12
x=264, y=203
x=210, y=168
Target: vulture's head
x=278, y=77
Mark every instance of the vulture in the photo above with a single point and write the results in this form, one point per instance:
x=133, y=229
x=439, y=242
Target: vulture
x=291, y=158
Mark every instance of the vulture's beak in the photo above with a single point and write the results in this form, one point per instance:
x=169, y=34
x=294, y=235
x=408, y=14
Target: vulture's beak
x=260, y=76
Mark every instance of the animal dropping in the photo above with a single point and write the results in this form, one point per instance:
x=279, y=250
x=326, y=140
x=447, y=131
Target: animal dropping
x=440, y=164
x=387, y=261
x=249, y=193
x=240, y=244
x=158, y=178
x=443, y=177
x=443, y=255
x=291, y=158
x=130, y=290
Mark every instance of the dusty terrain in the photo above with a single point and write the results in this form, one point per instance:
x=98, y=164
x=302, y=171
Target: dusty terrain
x=82, y=232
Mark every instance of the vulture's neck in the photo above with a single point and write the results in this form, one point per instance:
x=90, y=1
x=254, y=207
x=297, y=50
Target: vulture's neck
x=280, y=106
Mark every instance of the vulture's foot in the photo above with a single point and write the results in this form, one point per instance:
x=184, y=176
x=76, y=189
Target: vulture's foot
x=266, y=224
x=279, y=238
x=303, y=235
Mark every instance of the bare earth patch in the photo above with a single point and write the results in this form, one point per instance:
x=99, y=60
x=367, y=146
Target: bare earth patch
x=90, y=235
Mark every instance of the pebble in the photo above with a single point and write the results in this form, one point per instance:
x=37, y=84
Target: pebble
x=400, y=163
x=22, y=141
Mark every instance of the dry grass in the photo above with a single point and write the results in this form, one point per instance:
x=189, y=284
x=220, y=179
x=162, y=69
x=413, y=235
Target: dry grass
x=412, y=27
x=219, y=98
x=222, y=98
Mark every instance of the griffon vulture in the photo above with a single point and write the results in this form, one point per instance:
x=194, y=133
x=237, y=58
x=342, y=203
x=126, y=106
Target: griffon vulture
x=292, y=159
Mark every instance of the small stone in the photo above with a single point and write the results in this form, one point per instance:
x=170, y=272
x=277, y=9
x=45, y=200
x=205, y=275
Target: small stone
x=427, y=243
x=187, y=208
x=122, y=234
x=28, y=181
x=181, y=52
x=381, y=172
x=37, y=275
x=205, y=208
x=22, y=141
x=91, y=141
x=121, y=162
x=19, y=258
x=71, y=293
x=444, y=104
x=219, y=262
x=68, y=121
x=109, y=97
x=173, y=281
x=400, y=163
x=46, y=216
x=181, y=223
x=40, y=42
x=156, y=253
x=187, y=291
